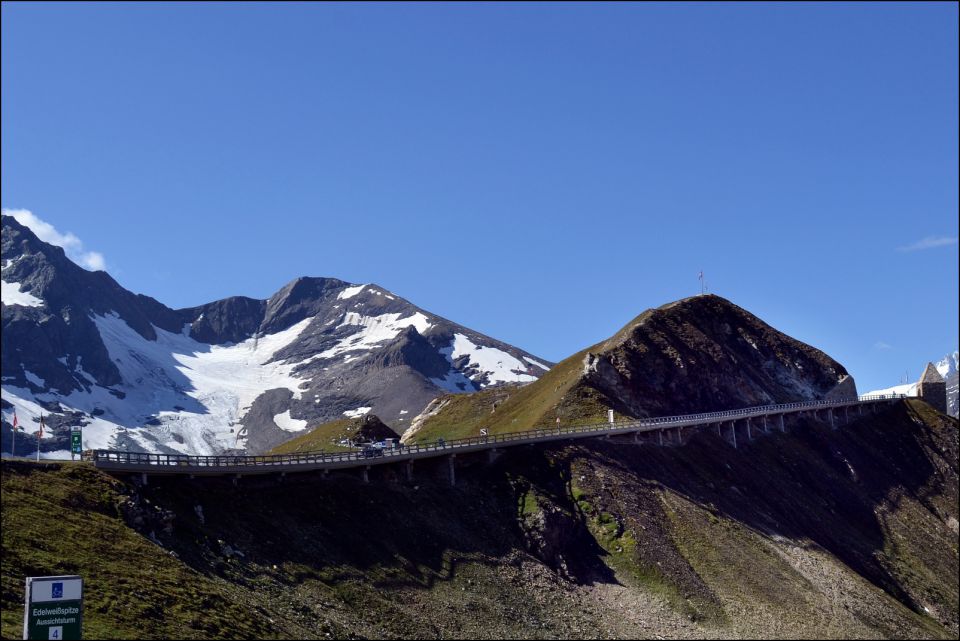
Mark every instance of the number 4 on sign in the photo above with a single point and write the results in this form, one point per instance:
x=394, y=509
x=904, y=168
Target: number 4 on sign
x=56, y=632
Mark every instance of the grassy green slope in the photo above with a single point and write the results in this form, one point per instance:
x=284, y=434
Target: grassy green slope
x=323, y=438
x=527, y=407
x=64, y=519
x=538, y=404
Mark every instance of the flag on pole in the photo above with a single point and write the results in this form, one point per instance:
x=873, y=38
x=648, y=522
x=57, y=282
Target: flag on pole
x=16, y=426
x=39, y=436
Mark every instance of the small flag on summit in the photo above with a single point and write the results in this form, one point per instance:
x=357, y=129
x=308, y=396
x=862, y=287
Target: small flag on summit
x=16, y=425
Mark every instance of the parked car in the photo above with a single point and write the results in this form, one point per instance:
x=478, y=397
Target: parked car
x=371, y=452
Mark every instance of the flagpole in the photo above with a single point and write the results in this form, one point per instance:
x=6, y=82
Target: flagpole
x=39, y=434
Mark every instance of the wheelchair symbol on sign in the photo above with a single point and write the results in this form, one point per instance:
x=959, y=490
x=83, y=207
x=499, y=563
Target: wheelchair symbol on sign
x=56, y=591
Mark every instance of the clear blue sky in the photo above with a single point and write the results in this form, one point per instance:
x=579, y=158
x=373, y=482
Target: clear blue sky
x=540, y=173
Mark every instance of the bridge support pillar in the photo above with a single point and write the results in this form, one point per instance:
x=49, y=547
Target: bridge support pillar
x=718, y=431
x=143, y=478
x=833, y=424
x=325, y=473
x=846, y=414
x=236, y=480
x=766, y=429
x=408, y=470
x=859, y=410
x=366, y=474
x=451, y=469
x=733, y=433
x=783, y=428
x=749, y=431
x=679, y=436
x=659, y=437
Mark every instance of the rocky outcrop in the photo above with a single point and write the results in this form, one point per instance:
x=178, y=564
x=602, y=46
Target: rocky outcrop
x=706, y=354
x=371, y=428
x=230, y=320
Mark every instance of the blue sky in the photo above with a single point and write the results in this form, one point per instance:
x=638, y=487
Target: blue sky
x=540, y=173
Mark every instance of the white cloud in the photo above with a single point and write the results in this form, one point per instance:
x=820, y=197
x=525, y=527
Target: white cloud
x=72, y=245
x=929, y=243
x=882, y=346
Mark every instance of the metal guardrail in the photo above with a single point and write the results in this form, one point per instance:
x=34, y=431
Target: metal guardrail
x=147, y=460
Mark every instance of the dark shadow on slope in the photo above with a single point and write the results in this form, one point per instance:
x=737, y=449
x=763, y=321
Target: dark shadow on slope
x=797, y=485
x=388, y=534
x=811, y=483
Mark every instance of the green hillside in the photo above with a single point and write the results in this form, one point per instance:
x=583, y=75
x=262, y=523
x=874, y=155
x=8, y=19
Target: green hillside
x=538, y=404
x=64, y=518
x=323, y=438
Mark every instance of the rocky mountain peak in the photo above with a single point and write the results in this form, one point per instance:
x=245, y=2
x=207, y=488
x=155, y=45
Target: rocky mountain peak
x=698, y=354
x=237, y=373
x=705, y=353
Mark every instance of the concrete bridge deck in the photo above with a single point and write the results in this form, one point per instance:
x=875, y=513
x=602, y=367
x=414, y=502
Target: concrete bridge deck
x=669, y=426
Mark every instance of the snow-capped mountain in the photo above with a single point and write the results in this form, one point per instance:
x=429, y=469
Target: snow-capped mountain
x=948, y=367
x=238, y=373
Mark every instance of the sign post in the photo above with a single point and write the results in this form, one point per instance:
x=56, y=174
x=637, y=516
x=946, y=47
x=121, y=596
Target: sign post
x=76, y=441
x=53, y=608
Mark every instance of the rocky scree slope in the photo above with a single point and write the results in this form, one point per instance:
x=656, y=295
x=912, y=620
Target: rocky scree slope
x=235, y=374
x=813, y=533
x=698, y=354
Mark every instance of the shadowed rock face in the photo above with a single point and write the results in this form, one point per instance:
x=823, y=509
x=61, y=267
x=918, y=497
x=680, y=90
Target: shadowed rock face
x=371, y=428
x=348, y=347
x=707, y=354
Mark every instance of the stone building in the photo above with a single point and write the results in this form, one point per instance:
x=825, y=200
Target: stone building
x=933, y=389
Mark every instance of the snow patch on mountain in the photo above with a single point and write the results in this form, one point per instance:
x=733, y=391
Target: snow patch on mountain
x=537, y=363
x=374, y=330
x=908, y=389
x=350, y=292
x=497, y=365
x=454, y=381
x=360, y=411
x=286, y=423
x=11, y=294
x=33, y=378
x=185, y=395
x=28, y=411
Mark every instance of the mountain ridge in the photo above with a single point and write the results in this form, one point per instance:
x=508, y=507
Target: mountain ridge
x=234, y=373
x=697, y=354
